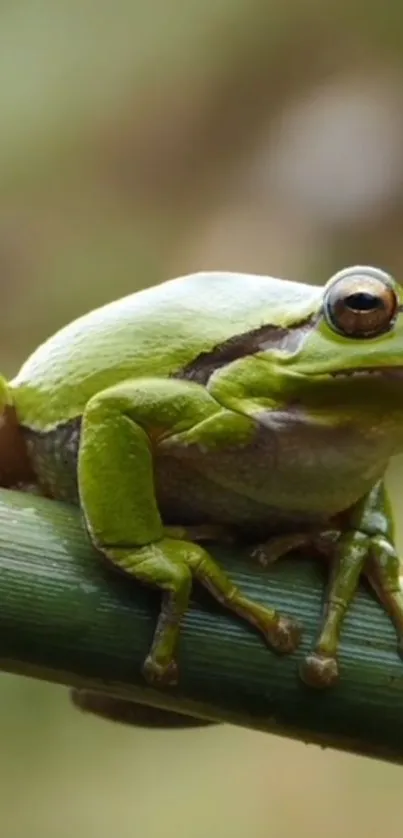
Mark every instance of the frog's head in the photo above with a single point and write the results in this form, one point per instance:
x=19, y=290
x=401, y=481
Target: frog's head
x=357, y=325
x=350, y=348
x=15, y=469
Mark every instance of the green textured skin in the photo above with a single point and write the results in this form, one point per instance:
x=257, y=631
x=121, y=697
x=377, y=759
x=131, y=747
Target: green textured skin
x=153, y=332
x=157, y=332
x=149, y=408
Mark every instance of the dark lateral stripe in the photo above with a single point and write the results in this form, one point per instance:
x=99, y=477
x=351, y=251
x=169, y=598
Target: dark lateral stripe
x=261, y=339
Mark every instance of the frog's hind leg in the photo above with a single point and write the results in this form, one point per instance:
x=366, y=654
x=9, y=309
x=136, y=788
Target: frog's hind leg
x=385, y=575
x=121, y=427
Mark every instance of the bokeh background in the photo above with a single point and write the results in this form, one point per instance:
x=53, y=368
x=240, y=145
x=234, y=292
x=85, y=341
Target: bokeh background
x=143, y=139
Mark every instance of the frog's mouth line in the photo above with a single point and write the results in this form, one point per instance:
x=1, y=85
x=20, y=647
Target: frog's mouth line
x=366, y=372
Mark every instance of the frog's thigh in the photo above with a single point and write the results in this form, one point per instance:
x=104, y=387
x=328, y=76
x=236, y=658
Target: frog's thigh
x=116, y=487
x=115, y=465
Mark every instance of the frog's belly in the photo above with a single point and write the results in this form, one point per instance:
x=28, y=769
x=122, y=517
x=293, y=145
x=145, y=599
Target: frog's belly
x=188, y=497
x=288, y=478
x=299, y=475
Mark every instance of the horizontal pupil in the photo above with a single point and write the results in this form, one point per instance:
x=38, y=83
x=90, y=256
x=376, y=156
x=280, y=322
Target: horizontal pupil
x=362, y=301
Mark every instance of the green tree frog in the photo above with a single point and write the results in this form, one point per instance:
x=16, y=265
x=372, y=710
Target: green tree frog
x=219, y=404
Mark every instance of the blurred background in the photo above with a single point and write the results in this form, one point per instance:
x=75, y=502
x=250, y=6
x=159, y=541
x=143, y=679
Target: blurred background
x=143, y=140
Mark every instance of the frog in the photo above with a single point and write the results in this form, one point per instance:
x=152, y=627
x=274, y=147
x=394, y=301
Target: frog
x=217, y=406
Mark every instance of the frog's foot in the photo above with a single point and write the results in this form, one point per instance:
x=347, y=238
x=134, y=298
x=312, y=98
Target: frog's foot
x=284, y=635
x=160, y=674
x=383, y=572
x=319, y=670
x=322, y=542
x=201, y=533
x=270, y=551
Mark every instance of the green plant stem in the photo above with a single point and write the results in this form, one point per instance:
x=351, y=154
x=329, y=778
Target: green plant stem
x=66, y=617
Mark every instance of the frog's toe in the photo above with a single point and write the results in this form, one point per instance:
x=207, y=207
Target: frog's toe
x=270, y=551
x=263, y=555
x=284, y=637
x=400, y=646
x=158, y=674
x=319, y=671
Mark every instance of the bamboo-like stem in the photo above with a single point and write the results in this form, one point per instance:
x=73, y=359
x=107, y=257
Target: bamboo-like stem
x=66, y=617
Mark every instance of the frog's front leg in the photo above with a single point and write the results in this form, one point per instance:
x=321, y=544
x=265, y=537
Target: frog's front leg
x=346, y=553
x=384, y=569
x=365, y=545
x=121, y=428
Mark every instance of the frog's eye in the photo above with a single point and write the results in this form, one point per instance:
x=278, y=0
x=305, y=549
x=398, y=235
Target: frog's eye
x=360, y=302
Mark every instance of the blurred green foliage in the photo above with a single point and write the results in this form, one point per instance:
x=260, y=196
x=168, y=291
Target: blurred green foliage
x=143, y=140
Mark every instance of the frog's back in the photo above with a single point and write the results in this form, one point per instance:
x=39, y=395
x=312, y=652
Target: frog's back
x=154, y=332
